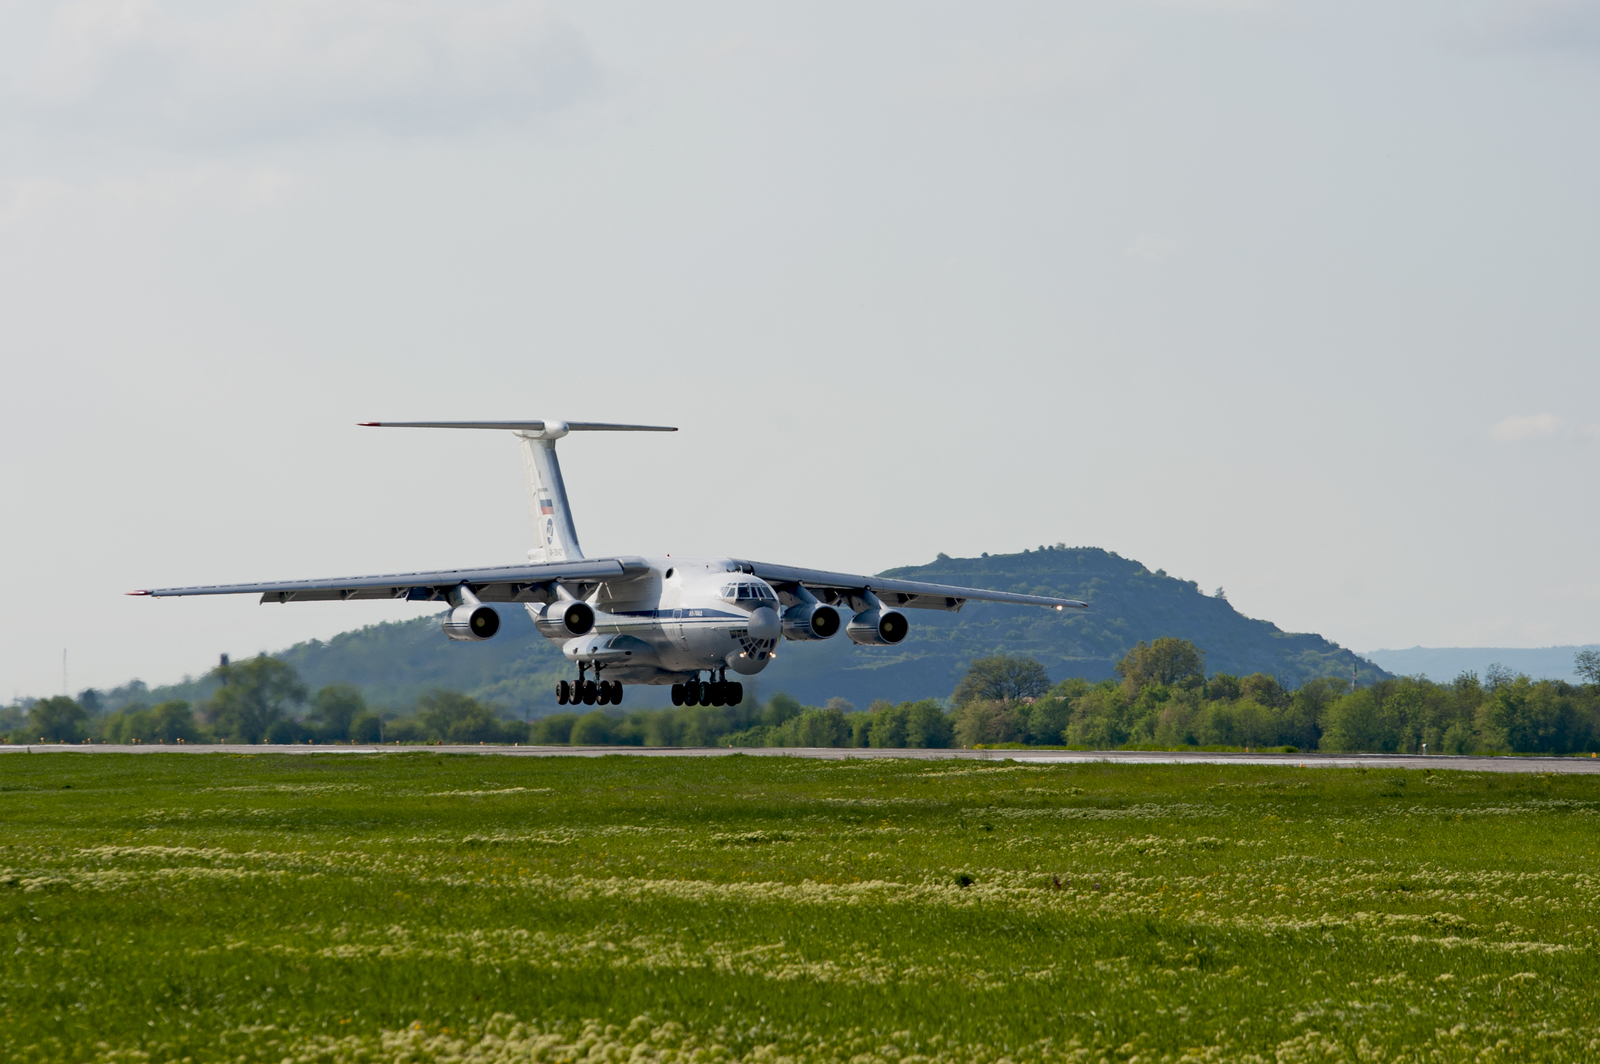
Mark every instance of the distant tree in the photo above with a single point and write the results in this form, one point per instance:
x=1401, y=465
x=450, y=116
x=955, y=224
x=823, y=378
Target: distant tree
x=1354, y=722
x=1497, y=676
x=173, y=720
x=1099, y=718
x=1224, y=686
x=126, y=725
x=284, y=731
x=818, y=727
x=1168, y=660
x=1587, y=665
x=1264, y=690
x=592, y=729
x=335, y=709
x=458, y=718
x=983, y=722
x=1047, y=719
x=779, y=709
x=1459, y=738
x=927, y=726
x=57, y=719
x=556, y=729
x=89, y=699
x=367, y=728
x=255, y=694
x=1001, y=678
x=886, y=725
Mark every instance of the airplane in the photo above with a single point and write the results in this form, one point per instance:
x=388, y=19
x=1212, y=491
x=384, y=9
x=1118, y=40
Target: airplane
x=637, y=620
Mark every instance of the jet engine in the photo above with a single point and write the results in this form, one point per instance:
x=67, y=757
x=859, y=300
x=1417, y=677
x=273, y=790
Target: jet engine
x=880, y=627
x=810, y=620
x=471, y=622
x=563, y=620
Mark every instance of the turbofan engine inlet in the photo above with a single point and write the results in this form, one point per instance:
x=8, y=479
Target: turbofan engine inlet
x=471, y=623
x=878, y=627
x=810, y=621
x=562, y=620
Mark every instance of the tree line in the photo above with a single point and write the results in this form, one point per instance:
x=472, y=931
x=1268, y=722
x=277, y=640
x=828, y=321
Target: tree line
x=1161, y=698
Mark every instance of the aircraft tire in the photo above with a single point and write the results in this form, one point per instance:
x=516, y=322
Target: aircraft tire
x=590, y=692
x=677, y=694
x=616, y=692
x=735, y=693
x=697, y=694
x=715, y=695
x=603, y=692
x=563, y=692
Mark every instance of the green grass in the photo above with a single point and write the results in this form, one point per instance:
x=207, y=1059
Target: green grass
x=408, y=906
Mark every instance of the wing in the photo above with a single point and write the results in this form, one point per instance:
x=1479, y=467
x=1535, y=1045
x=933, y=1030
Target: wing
x=506, y=583
x=905, y=594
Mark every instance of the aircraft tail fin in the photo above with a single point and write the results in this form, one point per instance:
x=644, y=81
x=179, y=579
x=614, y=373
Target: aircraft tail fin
x=555, y=536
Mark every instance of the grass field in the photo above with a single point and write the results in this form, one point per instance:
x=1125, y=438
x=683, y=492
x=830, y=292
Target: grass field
x=416, y=907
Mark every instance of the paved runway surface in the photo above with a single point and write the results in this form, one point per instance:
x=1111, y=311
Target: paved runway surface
x=1042, y=757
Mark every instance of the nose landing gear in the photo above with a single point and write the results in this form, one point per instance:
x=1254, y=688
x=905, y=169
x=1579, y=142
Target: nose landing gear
x=699, y=692
x=589, y=692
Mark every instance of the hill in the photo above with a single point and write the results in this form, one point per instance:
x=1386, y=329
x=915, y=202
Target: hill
x=1443, y=664
x=395, y=662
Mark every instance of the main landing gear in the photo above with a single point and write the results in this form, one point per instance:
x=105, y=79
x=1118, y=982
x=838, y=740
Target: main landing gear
x=715, y=693
x=589, y=692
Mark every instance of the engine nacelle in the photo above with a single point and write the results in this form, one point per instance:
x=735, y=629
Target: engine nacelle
x=810, y=620
x=878, y=627
x=563, y=620
x=471, y=623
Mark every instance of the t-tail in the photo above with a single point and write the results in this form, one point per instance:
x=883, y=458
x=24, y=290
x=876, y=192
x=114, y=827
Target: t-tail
x=555, y=536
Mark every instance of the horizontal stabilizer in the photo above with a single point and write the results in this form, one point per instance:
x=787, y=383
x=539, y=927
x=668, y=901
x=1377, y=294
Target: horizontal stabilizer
x=555, y=427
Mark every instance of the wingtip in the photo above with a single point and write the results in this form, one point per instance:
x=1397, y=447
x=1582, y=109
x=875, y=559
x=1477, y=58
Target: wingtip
x=137, y=592
x=369, y=424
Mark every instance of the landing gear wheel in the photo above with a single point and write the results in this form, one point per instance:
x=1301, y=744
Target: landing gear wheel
x=718, y=692
x=590, y=692
x=735, y=694
x=677, y=694
x=696, y=694
x=616, y=692
x=603, y=692
x=563, y=693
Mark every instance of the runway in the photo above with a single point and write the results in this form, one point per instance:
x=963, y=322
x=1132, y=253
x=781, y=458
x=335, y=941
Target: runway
x=1437, y=762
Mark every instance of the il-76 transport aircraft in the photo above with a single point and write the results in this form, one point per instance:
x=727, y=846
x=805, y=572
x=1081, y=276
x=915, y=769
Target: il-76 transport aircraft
x=630, y=620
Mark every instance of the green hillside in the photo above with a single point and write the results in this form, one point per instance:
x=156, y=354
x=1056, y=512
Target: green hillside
x=396, y=662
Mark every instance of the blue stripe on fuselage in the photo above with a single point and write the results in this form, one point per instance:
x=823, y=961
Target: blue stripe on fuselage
x=688, y=615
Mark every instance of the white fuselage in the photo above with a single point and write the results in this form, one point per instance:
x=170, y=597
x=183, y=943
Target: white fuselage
x=670, y=618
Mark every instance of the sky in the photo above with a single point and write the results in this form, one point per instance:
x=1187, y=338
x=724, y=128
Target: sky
x=1295, y=299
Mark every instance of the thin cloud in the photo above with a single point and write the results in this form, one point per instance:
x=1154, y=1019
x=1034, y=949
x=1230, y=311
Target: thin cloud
x=154, y=72
x=1540, y=426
